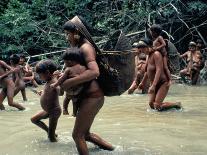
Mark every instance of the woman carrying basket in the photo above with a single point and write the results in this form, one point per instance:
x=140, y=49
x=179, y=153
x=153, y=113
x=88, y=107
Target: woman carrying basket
x=92, y=98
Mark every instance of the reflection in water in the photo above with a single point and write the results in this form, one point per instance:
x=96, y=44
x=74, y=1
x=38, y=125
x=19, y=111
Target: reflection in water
x=125, y=121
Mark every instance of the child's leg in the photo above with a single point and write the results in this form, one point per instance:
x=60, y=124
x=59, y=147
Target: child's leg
x=10, y=96
x=167, y=71
x=24, y=94
x=36, y=119
x=53, y=119
x=66, y=102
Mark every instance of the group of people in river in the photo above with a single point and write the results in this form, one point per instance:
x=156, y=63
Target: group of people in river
x=79, y=81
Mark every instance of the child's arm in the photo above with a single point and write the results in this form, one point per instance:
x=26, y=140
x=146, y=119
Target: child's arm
x=61, y=79
x=143, y=82
x=183, y=55
x=163, y=44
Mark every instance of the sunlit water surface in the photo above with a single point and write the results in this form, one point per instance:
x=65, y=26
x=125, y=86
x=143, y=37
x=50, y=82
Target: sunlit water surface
x=125, y=121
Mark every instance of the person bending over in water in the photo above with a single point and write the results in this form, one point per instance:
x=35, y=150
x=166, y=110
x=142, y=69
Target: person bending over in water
x=18, y=76
x=158, y=79
x=8, y=86
x=139, y=73
x=160, y=45
x=194, y=63
x=75, y=65
x=49, y=99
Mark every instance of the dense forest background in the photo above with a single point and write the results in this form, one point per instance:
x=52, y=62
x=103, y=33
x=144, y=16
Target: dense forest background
x=35, y=26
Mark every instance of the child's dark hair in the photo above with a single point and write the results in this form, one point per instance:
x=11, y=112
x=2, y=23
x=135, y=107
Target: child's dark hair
x=74, y=54
x=14, y=58
x=156, y=28
x=45, y=65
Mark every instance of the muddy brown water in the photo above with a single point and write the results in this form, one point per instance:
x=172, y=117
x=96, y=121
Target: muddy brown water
x=125, y=121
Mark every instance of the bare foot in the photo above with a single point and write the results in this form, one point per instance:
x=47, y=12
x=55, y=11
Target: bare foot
x=65, y=112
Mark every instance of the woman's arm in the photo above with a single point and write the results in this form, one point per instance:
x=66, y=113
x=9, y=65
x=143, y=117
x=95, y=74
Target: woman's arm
x=6, y=74
x=92, y=71
x=5, y=65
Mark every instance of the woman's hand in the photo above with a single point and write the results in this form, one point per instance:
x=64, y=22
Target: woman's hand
x=151, y=89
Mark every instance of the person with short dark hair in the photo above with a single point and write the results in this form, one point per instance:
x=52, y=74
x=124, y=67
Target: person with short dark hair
x=158, y=79
x=49, y=99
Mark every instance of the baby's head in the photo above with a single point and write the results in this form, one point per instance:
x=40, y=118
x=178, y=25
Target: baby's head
x=45, y=69
x=192, y=46
x=73, y=56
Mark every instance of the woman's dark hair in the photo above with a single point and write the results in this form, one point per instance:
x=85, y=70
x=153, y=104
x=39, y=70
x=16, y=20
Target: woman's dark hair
x=144, y=42
x=74, y=54
x=45, y=65
x=156, y=28
x=14, y=58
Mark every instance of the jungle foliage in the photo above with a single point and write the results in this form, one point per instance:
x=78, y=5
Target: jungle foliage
x=35, y=26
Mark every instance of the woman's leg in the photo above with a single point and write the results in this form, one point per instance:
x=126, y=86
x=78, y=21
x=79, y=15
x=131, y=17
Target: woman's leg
x=23, y=92
x=10, y=97
x=152, y=100
x=195, y=76
x=160, y=96
x=84, y=119
x=2, y=97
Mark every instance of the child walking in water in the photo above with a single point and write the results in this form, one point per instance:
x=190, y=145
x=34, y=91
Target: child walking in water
x=8, y=86
x=49, y=100
x=75, y=65
x=160, y=45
